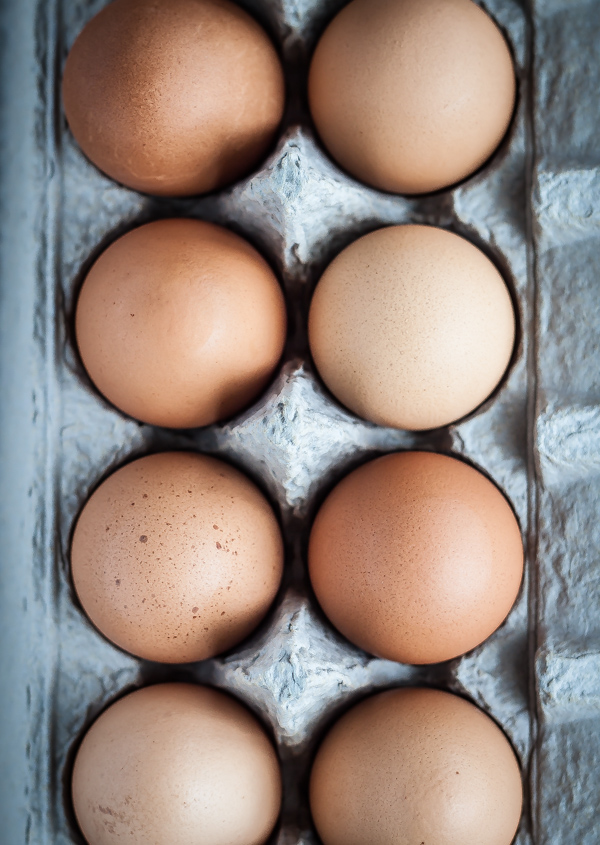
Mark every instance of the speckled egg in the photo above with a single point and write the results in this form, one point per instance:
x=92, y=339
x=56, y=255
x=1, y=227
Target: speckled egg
x=180, y=323
x=411, y=327
x=176, y=764
x=416, y=557
x=176, y=557
x=415, y=767
x=173, y=97
x=411, y=96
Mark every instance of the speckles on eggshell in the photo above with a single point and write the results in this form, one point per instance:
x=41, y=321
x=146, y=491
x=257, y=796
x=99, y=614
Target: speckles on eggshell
x=230, y=598
x=215, y=750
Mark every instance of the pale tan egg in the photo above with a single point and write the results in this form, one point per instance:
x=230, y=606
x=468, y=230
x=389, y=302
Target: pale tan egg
x=173, y=97
x=415, y=767
x=416, y=557
x=176, y=764
x=180, y=323
x=412, y=95
x=411, y=327
x=176, y=557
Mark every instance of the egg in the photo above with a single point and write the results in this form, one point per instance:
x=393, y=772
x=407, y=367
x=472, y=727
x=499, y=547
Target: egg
x=411, y=327
x=415, y=767
x=176, y=557
x=411, y=96
x=173, y=97
x=176, y=764
x=180, y=323
x=416, y=557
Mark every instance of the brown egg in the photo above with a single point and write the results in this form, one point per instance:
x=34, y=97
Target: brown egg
x=180, y=323
x=416, y=557
x=176, y=557
x=415, y=767
x=411, y=95
x=411, y=327
x=173, y=97
x=176, y=764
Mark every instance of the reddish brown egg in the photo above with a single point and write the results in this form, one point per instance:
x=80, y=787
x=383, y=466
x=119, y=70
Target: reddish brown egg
x=176, y=764
x=176, y=557
x=416, y=557
x=416, y=767
x=411, y=95
x=173, y=97
x=180, y=323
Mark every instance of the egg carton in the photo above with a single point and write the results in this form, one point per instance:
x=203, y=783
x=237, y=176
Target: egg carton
x=533, y=209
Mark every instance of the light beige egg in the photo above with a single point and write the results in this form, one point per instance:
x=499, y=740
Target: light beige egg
x=411, y=327
x=180, y=323
x=415, y=767
x=412, y=95
x=416, y=557
x=176, y=557
x=176, y=764
x=173, y=97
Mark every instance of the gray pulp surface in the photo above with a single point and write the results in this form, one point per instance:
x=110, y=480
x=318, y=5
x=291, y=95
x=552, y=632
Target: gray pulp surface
x=534, y=209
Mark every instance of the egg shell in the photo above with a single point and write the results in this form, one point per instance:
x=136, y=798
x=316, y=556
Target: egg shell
x=411, y=96
x=176, y=764
x=415, y=767
x=180, y=323
x=176, y=557
x=416, y=557
x=411, y=327
x=173, y=97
